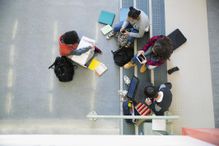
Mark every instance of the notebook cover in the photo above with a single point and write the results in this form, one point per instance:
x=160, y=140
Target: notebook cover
x=106, y=17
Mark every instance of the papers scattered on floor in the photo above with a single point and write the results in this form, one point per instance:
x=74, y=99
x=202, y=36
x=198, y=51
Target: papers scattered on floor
x=97, y=66
x=106, y=29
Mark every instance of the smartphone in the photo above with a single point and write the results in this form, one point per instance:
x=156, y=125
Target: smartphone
x=172, y=70
x=141, y=58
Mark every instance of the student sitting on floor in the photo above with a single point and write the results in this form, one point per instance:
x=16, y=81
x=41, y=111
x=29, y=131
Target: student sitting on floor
x=137, y=22
x=157, y=50
x=68, y=43
x=158, y=99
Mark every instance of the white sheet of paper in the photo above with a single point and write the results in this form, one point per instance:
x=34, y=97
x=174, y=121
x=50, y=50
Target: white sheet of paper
x=83, y=58
x=159, y=124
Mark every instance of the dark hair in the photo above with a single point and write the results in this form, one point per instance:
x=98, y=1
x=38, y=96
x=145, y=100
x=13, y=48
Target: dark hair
x=70, y=37
x=133, y=13
x=163, y=48
x=151, y=91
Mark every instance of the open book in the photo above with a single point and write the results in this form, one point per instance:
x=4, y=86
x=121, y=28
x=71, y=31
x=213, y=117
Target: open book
x=106, y=29
x=97, y=66
x=85, y=57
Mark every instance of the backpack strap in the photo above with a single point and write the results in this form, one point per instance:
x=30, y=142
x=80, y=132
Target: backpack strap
x=51, y=66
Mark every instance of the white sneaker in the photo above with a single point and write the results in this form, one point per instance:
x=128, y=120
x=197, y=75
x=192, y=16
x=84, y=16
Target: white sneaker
x=110, y=35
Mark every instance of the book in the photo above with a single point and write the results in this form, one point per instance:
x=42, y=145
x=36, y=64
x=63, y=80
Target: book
x=93, y=64
x=106, y=17
x=106, y=29
x=97, y=66
x=100, y=69
x=85, y=57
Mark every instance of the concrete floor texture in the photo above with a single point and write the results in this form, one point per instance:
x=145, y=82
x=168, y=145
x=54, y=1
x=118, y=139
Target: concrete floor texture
x=32, y=100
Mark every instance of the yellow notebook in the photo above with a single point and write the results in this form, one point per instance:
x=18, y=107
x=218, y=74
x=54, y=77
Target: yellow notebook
x=94, y=63
x=97, y=66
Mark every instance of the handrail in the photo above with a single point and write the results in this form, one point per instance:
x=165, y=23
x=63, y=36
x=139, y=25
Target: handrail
x=94, y=116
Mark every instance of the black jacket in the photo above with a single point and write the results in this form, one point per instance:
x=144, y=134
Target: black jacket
x=160, y=107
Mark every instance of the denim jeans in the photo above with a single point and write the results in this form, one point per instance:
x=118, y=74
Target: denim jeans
x=118, y=26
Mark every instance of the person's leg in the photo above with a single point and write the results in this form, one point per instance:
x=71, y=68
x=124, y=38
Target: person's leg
x=118, y=26
x=132, y=63
x=131, y=39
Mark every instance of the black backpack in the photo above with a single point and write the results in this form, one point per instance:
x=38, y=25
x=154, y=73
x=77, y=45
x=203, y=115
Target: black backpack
x=64, y=69
x=123, y=55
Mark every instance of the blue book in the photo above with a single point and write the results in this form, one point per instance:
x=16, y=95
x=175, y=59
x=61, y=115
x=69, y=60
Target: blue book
x=123, y=13
x=106, y=17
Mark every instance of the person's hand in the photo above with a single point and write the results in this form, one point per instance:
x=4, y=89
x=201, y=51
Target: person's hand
x=122, y=30
x=126, y=33
x=148, y=101
x=140, y=52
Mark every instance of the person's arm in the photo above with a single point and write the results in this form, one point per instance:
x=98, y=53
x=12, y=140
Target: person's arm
x=151, y=42
x=138, y=34
x=125, y=24
x=153, y=106
x=80, y=51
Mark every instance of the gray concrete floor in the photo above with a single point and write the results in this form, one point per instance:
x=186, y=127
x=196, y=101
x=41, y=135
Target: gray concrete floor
x=29, y=92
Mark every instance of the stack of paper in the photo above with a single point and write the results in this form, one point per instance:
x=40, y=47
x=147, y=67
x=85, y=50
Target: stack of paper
x=97, y=66
x=106, y=29
x=83, y=58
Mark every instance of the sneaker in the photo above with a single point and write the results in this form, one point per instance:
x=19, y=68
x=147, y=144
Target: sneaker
x=143, y=68
x=97, y=50
x=129, y=65
x=110, y=35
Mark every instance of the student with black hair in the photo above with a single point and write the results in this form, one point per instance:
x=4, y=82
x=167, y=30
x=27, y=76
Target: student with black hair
x=158, y=99
x=137, y=22
x=68, y=43
x=157, y=50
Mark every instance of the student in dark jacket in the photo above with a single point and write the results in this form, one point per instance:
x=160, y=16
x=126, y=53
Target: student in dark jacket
x=158, y=99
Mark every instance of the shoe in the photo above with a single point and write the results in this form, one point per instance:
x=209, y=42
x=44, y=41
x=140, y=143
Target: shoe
x=143, y=68
x=97, y=50
x=110, y=35
x=129, y=65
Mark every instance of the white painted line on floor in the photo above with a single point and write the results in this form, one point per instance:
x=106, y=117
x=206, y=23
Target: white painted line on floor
x=10, y=77
x=11, y=55
x=92, y=99
x=135, y=52
x=8, y=103
x=97, y=30
x=14, y=30
x=50, y=102
x=55, y=31
x=151, y=32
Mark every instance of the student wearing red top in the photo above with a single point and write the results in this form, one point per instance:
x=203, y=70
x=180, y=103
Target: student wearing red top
x=68, y=43
x=157, y=50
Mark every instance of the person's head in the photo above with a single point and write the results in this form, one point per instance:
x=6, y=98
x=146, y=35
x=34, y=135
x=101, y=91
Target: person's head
x=151, y=91
x=163, y=48
x=70, y=37
x=133, y=13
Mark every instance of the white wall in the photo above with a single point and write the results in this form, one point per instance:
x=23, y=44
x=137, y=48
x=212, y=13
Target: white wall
x=192, y=88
